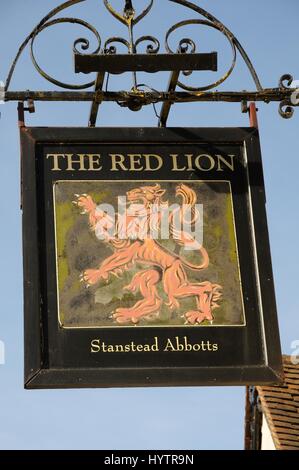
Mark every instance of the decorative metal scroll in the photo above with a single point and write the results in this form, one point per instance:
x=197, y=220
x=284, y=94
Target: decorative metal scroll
x=130, y=17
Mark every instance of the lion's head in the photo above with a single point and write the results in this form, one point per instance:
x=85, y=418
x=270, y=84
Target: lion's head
x=146, y=195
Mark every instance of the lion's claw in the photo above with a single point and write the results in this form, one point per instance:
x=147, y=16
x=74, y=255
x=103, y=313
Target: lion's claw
x=196, y=317
x=125, y=315
x=93, y=276
x=85, y=202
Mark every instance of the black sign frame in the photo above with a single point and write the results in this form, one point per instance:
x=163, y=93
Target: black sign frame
x=261, y=367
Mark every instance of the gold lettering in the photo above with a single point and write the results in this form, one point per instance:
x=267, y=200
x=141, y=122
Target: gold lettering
x=148, y=160
x=95, y=346
x=189, y=161
x=56, y=157
x=73, y=160
x=94, y=162
x=206, y=156
x=175, y=166
x=135, y=164
x=155, y=346
x=169, y=346
x=222, y=159
x=117, y=160
x=176, y=344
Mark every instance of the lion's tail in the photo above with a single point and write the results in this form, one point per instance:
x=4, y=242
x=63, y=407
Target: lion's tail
x=188, y=214
x=197, y=267
x=189, y=200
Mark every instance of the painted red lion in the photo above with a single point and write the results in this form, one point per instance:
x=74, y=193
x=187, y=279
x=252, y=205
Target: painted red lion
x=161, y=264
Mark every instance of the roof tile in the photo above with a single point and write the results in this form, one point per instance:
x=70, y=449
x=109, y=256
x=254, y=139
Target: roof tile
x=280, y=405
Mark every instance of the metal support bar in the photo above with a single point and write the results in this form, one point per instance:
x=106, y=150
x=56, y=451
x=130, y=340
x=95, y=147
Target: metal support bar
x=267, y=95
x=167, y=104
x=97, y=101
x=21, y=111
x=21, y=114
x=253, y=115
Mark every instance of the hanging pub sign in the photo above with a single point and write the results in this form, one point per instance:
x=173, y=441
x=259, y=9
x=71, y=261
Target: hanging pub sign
x=146, y=259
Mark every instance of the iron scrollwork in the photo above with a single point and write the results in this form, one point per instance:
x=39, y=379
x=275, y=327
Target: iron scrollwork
x=111, y=48
x=129, y=17
x=187, y=43
x=153, y=45
x=83, y=42
x=286, y=107
x=47, y=22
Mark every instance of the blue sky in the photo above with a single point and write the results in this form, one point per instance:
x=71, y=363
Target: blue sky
x=175, y=418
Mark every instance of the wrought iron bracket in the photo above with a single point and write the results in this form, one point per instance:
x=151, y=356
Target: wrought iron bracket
x=30, y=108
x=181, y=61
x=97, y=99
